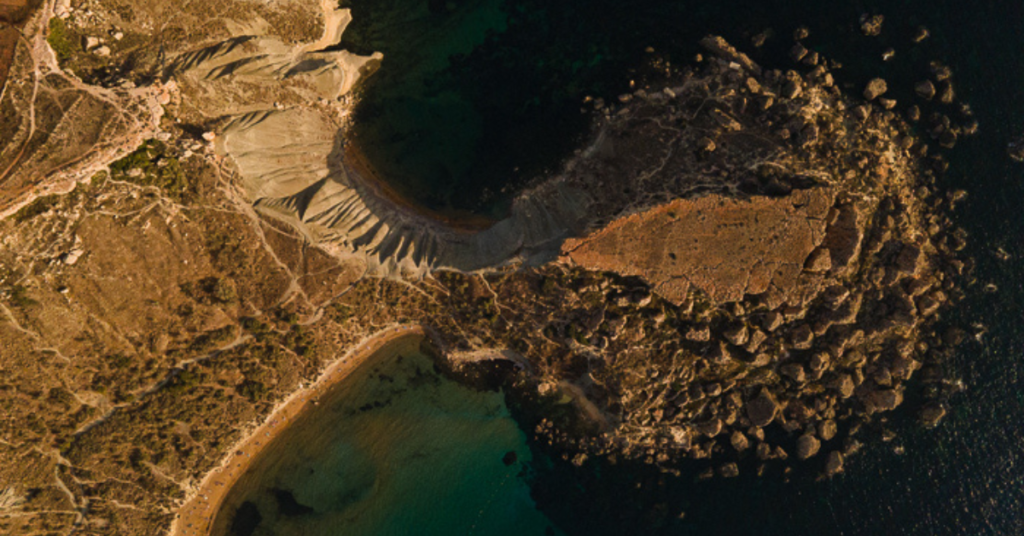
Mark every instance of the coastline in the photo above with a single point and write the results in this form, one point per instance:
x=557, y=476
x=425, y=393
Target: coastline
x=360, y=168
x=199, y=511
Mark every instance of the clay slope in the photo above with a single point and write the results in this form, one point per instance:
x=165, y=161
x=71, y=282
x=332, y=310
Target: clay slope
x=293, y=165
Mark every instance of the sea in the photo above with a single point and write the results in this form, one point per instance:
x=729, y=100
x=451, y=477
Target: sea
x=477, y=98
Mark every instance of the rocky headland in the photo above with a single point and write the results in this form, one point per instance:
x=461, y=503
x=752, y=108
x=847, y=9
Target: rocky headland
x=742, y=268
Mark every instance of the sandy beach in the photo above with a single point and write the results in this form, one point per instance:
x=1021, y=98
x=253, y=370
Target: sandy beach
x=197, y=514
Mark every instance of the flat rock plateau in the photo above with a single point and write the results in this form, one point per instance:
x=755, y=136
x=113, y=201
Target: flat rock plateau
x=741, y=269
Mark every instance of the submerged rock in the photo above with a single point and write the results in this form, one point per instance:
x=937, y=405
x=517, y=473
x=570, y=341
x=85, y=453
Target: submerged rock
x=871, y=25
x=932, y=415
x=834, y=463
x=1015, y=149
x=925, y=89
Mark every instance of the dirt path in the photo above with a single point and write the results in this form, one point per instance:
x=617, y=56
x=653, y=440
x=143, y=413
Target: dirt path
x=197, y=514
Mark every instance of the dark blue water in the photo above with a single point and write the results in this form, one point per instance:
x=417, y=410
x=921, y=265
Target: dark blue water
x=967, y=477
x=498, y=103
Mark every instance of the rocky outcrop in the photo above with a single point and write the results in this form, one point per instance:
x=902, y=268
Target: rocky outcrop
x=723, y=246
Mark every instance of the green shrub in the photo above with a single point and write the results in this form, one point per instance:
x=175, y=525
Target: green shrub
x=184, y=381
x=36, y=207
x=61, y=39
x=253, y=390
x=19, y=297
x=150, y=165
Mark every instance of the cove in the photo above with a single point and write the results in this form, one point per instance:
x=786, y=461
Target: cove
x=475, y=99
x=394, y=448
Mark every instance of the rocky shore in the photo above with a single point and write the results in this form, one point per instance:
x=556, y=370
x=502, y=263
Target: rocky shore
x=788, y=274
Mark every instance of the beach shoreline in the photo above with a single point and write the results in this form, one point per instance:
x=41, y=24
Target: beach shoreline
x=360, y=169
x=199, y=511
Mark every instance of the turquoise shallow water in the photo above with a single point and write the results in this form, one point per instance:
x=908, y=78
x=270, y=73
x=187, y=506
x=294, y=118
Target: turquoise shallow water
x=395, y=449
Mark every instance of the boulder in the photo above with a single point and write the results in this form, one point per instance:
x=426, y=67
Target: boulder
x=925, y=89
x=791, y=89
x=909, y=259
x=844, y=385
x=699, y=334
x=820, y=261
x=729, y=470
x=739, y=441
x=710, y=428
x=827, y=429
x=881, y=400
x=932, y=414
x=1015, y=149
x=819, y=361
x=762, y=409
x=753, y=86
x=794, y=371
x=834, y=463
x=719, y=354
x=871, y=25
x=682, y=437
x=875, y=88
x=737, y=334
x=946, y=93
x=802, y=337
x=798, y=52
x=757, y=337
x=721, y=48
x=940, y=72
x=844, y=235
x=929, y=303
x=807, y=446
x=773, y=320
